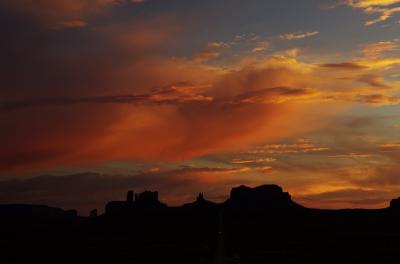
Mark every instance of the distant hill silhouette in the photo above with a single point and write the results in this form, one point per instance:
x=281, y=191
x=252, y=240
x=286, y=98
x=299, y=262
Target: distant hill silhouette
x=25, y=211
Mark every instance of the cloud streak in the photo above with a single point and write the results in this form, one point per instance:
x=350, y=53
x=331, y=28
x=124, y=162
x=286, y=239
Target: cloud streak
x=385, y=9
x=175, y=93
x=298, y=35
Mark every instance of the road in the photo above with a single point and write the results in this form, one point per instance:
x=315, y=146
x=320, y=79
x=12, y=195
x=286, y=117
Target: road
x=219, y=257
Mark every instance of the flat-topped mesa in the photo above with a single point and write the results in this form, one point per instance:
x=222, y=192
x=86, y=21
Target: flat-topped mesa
x=146, y=200
x=395, y=204
x=263, y=192
x=265, y=197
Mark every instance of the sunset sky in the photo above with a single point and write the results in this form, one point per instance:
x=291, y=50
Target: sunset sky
x=182, y=96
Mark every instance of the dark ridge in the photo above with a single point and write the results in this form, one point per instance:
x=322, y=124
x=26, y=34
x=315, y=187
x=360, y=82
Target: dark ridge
x=255, y=225
x=25, y=211
x=242, y=199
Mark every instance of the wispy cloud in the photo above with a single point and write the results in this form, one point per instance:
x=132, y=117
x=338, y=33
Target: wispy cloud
x=220, y=44
x=261, y=46
x=378, y=99
x=301, y=146
x=384, y=9
x=377, y=49
x=390, y=147
x=298, y=35
x=257, y=160
x=276, y=95
x=69, y=24
x=352, y=155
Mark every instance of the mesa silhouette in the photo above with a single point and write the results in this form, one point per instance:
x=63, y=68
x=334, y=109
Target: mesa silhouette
x=242, y=198
x=254, y=225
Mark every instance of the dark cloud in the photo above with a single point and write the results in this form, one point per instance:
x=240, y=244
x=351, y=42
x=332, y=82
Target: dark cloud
x=373, y=80
x=174, y=93
x=344, y=66
x=378, y=99
x=274, y=95
x=62, y=14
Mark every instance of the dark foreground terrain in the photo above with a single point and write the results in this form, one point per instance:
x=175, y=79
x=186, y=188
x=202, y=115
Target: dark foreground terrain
x=260, y=225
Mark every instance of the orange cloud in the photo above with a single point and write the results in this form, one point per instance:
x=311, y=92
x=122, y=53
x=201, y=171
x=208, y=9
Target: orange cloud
x=205, y=55
x=258, y=160
x=126, y=99
x=375, y=50
x=175, y=122
x=301, y=146
x=390, y=147
x=70, y=24
x=177, y=109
